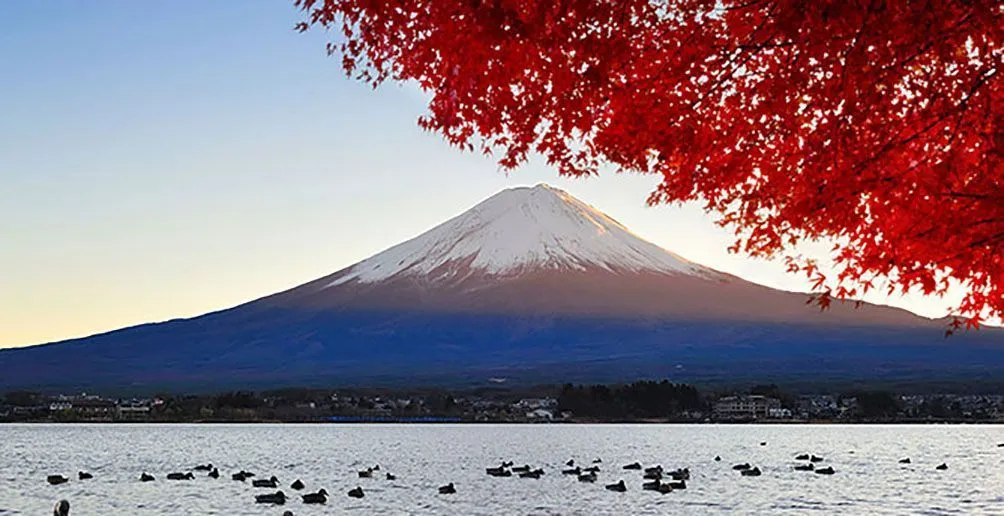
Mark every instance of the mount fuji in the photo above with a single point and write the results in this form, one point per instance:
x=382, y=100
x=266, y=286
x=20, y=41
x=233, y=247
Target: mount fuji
x=529, y=286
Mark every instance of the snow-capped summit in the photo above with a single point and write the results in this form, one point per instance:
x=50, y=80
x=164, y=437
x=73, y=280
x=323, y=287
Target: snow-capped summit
x=520, y=230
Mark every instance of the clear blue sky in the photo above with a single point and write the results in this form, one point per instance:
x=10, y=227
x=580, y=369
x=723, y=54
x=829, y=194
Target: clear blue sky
x=164, y=159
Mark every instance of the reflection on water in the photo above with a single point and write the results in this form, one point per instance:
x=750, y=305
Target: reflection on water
x=868, y=479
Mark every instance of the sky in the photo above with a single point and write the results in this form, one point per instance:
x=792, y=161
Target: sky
x=165, y=159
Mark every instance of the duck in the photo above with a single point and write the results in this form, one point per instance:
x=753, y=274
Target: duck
x=376, y=467
x=357, y=492
x=321, y=496
x=815, y=458
x=805, y=467
x=654, y=469
x=241, y=476
x=679, y=484
x=506, y=464
x=597, y=460
x=366, y=473
x=904, y=461
x=498, y=472
x=652, y=475
x=146, y=478
x=297, y=485
x=521, y=469
x=447, y=489
x=592, y=469
x=741, y=467
x=575, y=471
x=570, y=463
x=276, y=498
x=532, y=474
x=942, y=466
x=802, y=456
x=390, y=476
x=181, y=476
x=83, y=475
x=752, y=472
x=680, y=474
x=651, y=486
x=763, y=443
x=204, y=467
x=618, y=487
x=215, y=473
x=287, y=513
x=828, y=470
x=633, y=465
x=55, y=480
x=588, y=477
x=665, y=488
x=270, y=482
x=62, y=508
x=718, y=458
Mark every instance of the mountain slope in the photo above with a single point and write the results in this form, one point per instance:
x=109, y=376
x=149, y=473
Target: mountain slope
x=532, y=285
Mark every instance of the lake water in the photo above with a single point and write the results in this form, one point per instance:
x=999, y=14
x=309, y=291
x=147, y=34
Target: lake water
x=868, y=479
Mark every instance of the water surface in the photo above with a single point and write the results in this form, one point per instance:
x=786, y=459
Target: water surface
x=869, y=480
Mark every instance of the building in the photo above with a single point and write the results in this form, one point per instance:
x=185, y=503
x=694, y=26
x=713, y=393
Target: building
x=747, y=407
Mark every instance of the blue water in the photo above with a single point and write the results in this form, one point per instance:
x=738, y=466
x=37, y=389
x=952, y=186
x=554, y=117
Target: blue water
x=868, y=478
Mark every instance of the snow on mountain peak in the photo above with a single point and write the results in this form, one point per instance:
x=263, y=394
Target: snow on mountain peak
x=519, y=230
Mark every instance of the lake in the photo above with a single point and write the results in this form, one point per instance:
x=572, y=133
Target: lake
x=868, y=479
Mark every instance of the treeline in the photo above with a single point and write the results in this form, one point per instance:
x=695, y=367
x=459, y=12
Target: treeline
x=638, y=400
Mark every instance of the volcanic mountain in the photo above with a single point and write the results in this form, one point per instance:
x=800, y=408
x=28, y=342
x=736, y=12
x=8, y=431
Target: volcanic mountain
x=530, y=285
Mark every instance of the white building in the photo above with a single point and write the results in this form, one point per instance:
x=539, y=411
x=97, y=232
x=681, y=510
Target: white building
x=748, y=407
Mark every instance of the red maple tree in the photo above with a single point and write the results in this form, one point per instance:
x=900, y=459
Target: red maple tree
x=875, y=124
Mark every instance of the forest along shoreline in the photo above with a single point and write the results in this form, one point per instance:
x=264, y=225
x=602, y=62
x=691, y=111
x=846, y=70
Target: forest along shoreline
x=638, y=402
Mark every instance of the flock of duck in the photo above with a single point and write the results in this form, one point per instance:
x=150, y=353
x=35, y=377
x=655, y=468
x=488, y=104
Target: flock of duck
x=654, y=478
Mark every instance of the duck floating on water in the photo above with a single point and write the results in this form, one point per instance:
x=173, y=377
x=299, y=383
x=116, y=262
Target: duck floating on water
x=448, y=489
x=204, y=467
x=391, y=476
x=942, y=466
x=742, y=467
x=83, y=475
x=828, y=470
x=276, y=498
x=618, y=487
x=357, y=492
x=651, y=486
x=802, y=456
x=532, y=474
x=718, y=458
x=498, y=472
x=574, y=471
x=680, y=474
x=297, y=485
x=752, y=472
x=815, y=458
x=805, y=467
x=62, y=508
x=181, y=476
x=241, y=476
x=268, y=482
x=215, y=473
x=904, y=461
x=588, y=477
x=55, y=480
x=597, y=460
x=321, y=496
x=521, y=469
x=592, y=469
x=366, y=473
x=633, y=465
x=146, y=478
